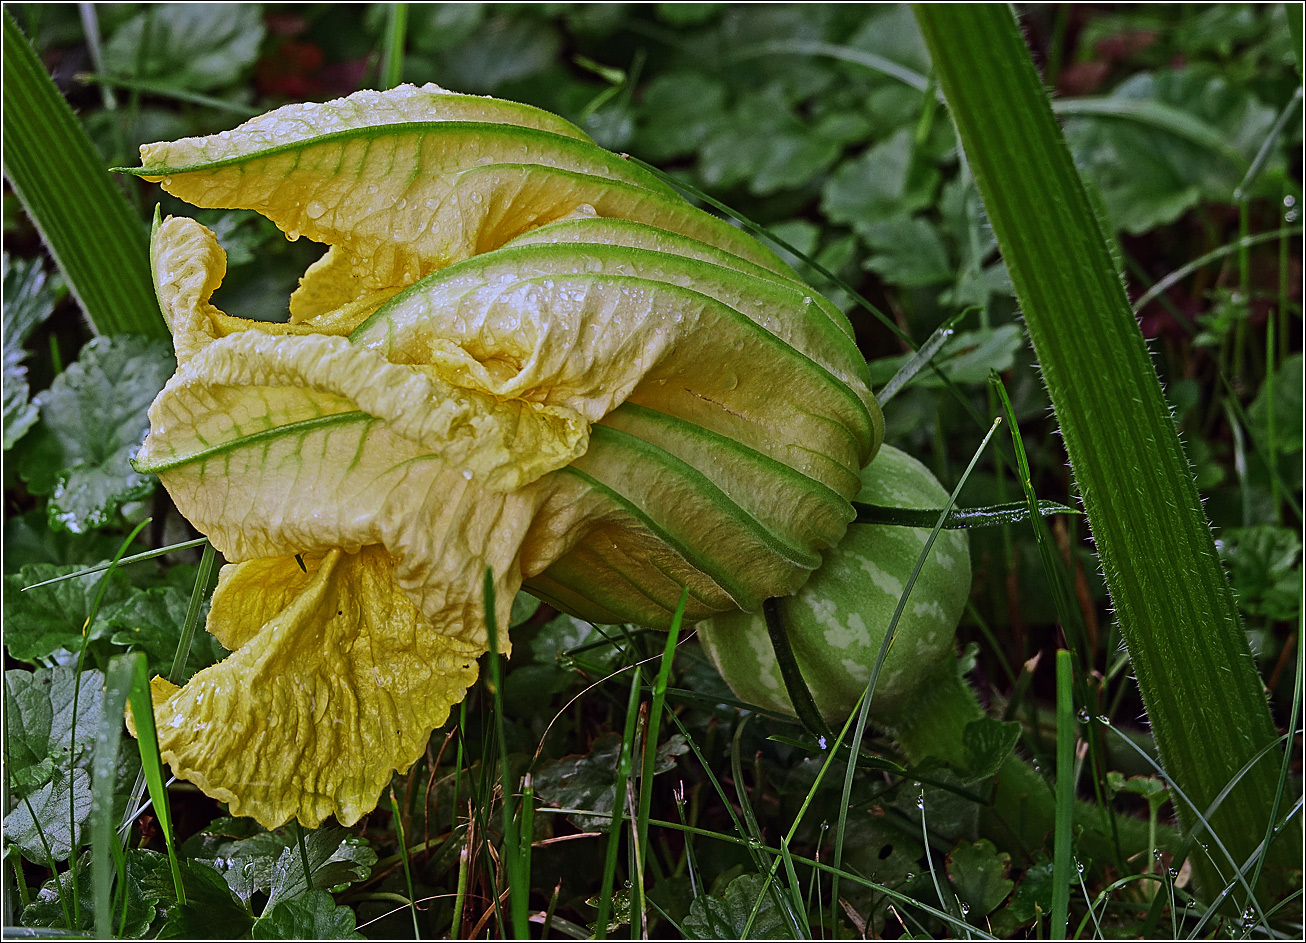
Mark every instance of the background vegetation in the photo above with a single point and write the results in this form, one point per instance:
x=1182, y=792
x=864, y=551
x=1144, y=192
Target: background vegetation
x=822, y=123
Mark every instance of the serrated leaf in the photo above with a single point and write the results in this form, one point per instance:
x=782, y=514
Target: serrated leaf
x=254, y=861
x=40, y=622
x=46, y=911
x=96, y=413
x=988, y=743
x=586, y=782
x=211, y=911
x=763, y=143
x=29, y=300
x=1284, y=386
x=195, y=46
x=312, y=916
x=39, y=719
x=1265, y=569
x=886, y=180
x=60, y=808
x=151, y=621
x=967, y=358
x=1149, y=175
x=725, y=918
x=680, y=110
x=1031, y=899
x=979, y=875
x=907, y=251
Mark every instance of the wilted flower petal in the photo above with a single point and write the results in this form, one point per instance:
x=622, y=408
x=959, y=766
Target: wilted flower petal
x=630, y=398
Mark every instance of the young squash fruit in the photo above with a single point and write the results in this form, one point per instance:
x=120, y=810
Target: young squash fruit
x=837, y=622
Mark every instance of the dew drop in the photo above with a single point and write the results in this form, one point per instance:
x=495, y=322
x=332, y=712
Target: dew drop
x=920, y=801
x=315, y=209
x=965, y=909
x=1079, y=866
x=1104, y=720
x=1289, y=201
x=467, y=473
x=1082, y=716
x=167, y=181
x=292, y=235
x=1158, y=854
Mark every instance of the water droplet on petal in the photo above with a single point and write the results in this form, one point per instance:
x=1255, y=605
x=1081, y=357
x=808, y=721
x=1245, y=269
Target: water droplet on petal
x=292, y=235
x=315, y=209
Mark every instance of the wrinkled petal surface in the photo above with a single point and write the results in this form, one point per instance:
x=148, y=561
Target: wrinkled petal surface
x=335, y=682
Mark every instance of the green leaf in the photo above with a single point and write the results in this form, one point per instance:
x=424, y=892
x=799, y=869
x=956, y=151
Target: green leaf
x=1146, y=170
x=886, y=180
x=28, y=539
x=724, y=918
x=763, y=143
x=1031, y=899
x=211, y=911
x=988, y=743
x=42, y=621
x=96, y=413
x=151, y=621
x=968, y=357
x=312, y=916
x=1284, y=387
x=29, y=300
x=40, y=735
x=979, y=875
x=254, y=861
x=46, y=911
x=907, y=251
x=586, y=782
x=680, y=111
x=194, y=46
x=60, y=808
x=1265, y=568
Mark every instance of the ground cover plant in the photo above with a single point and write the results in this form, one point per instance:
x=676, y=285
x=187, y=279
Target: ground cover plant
x=1097, y=755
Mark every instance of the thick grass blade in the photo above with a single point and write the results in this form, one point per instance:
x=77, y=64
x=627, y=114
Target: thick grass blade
x=1176, y=612
x=403, y=857
x=90, y=230
x=396, y=31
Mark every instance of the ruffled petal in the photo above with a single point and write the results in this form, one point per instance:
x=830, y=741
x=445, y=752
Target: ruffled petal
x=336, y=683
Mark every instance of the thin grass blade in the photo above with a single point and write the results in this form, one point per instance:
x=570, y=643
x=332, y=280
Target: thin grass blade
x=147, y=741
x=1061, y=842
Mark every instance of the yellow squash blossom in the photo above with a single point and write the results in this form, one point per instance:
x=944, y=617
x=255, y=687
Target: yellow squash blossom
x=520, y=353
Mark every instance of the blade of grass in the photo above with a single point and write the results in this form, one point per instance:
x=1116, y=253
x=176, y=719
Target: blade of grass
x=84, y=220
x=1172, y=600
x=392, y=61
x=134, y=558
x=164, y=90
x=147, y=741
x=1214, y=255
x=403, y=856
x=917, y=361
x=863, y=712
x=1065, y=795
x=519, y=880
x=188, y=627
x=104, y=774
x=651, y=745
x=994, y=515
x=625, y=764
